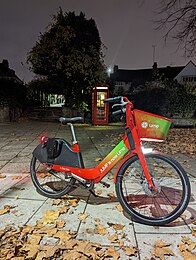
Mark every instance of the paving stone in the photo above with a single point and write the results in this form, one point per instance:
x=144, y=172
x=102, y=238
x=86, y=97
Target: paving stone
x=146, y=243
x=21, y=212
x=22, y=188
x=106, y=213
x=71, y=217
x=10, y=180
x=19, y=167
x=173, y=228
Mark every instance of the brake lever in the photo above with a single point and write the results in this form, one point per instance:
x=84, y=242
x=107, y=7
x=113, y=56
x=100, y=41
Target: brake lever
x=122, y=104
x=115, y=105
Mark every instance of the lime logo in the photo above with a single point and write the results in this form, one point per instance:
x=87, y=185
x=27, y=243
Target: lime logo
x=144, y=124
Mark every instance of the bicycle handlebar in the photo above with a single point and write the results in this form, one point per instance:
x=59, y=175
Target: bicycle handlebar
x=117, y=112
x=123, y=102
x=115, y=99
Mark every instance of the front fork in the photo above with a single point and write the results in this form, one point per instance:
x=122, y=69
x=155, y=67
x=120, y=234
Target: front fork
x=146, y=170
x=135, y=145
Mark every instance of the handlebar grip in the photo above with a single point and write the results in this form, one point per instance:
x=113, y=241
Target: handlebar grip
x=117, y=112
x=115, y=99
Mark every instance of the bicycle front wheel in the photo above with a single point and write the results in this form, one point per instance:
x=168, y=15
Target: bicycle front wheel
x=149, y=207
x=51, y=184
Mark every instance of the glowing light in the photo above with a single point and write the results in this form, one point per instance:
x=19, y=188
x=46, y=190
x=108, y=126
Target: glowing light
x=43, y=138
x=146, y=150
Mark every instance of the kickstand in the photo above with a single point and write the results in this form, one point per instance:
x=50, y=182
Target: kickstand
x=94, y=194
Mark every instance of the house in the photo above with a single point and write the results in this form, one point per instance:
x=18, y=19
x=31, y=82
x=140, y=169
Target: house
x=124, y=79
x=187, y=74
x=12, y=93
x=8, y=74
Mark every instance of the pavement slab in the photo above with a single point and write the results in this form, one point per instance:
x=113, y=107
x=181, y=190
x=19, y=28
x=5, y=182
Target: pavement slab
x=22, y=188
x=20, y=213
x=10, y=180
x=71, y=217
x=147, y=242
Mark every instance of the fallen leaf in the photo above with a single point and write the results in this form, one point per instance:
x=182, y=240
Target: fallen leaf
x=110, y=177
x=74, y=255
x=87, y=248
x=31, y=249
x=97, y=219
x=50, y=216
x=119, y=207
x=27, y=229
x=34, y=239
x=113, y=238
x=90, y=231
x=98, y=192
x=161, y=252
x=60, y=223
x=130, y=251
x=100, y=229
x=83, y=216
x=98, y=159
x=56, y=202
x=44, y=175
x=63, y=209
x=16, y=177
x=63, y=235
x=111, y=251
x=188, y=255
x=41, y=255
x=161, y=243
x=73, y=202
x=187, y=241
x=6, y=209
x=2, y=176
x=194, y=231
x=116, y=226
x=182, y=247
x=111, y=195
x=50, y=251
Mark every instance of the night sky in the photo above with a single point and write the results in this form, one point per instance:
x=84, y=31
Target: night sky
x=126, y=28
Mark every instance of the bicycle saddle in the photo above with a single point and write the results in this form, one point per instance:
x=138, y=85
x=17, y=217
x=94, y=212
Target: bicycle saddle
x=65, y=120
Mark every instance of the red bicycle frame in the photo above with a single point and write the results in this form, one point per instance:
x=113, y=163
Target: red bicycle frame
x=130, y=146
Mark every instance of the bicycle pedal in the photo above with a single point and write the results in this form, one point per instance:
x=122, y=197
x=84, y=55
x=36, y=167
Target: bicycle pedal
x=105, y=184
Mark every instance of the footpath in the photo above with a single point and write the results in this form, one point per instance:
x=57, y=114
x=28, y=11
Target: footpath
x=26, y=206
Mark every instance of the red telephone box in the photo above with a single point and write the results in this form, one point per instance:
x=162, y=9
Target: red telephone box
x=99, y=108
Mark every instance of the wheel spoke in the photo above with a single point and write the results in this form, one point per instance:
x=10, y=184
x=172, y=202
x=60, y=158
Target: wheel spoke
x=50, y=183
x=148, y=206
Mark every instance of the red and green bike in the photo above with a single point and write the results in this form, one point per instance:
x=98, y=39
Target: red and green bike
x=152, y=187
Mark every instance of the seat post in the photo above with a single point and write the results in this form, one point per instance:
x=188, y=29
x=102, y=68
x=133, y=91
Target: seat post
x=74, y=141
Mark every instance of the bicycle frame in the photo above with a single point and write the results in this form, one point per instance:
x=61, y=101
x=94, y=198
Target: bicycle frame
x=125, y=149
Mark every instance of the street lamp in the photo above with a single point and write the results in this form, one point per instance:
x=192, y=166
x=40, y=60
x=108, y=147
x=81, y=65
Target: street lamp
x=109, y=70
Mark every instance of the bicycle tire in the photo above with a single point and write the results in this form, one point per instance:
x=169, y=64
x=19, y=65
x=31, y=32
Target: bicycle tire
x=146, y=207
x=52, y=185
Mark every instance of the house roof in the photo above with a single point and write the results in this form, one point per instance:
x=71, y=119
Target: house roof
x=144, y=74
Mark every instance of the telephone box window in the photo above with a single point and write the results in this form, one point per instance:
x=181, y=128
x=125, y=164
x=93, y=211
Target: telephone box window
x=99, y=108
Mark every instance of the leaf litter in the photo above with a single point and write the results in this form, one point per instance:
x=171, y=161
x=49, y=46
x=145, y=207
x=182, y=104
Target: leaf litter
x=26, y=242
x=34, y=242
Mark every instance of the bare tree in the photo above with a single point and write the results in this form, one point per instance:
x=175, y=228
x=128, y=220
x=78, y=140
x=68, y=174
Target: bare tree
x=178, y=18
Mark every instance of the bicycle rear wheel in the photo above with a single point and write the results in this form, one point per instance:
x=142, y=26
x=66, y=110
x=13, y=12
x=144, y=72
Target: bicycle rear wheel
x=51, y=184
x=162, y=206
